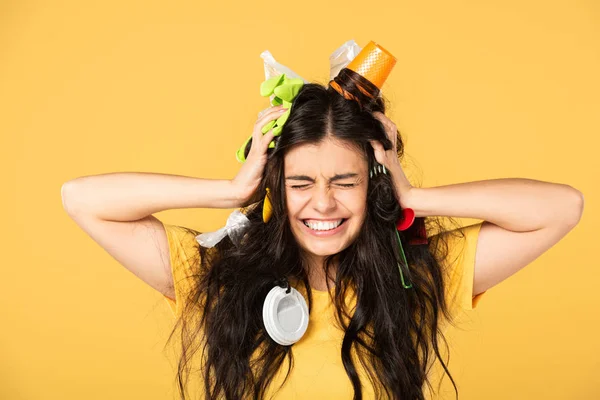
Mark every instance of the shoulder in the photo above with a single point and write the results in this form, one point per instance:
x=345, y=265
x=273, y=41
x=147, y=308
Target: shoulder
x=453, y=244
x=185, y=261
x=455, y=249
x=182, y=240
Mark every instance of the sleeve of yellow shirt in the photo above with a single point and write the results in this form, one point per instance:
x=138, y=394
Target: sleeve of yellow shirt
x=185, y=263
x=459, y=267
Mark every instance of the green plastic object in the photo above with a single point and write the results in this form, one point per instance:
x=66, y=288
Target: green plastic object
x=285, y=90
x=268, y=86
x=239, y=155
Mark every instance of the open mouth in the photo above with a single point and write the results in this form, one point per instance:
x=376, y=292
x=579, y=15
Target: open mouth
x=323, y=225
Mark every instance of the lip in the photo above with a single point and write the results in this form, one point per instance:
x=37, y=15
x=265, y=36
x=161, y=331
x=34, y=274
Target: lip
x=330, y=232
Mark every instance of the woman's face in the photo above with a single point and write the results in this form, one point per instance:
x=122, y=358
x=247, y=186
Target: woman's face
x=326, y=195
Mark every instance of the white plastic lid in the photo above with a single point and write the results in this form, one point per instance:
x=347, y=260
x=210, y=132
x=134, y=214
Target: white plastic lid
x=285, y=315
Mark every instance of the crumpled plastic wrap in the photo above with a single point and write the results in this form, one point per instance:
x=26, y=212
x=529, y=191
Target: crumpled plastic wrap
x=342, y=56
x=339, y=59
x=234, y=228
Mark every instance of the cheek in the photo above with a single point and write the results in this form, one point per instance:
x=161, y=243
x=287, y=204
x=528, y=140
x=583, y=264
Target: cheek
x=354, y=201
x=296, y=200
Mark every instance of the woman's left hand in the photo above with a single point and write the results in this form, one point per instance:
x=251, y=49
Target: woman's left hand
x=389, y=158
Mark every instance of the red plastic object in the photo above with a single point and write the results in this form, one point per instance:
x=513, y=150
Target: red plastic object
x=406, y=220
x=418, y=233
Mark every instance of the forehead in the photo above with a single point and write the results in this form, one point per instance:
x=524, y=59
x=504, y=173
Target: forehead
x=327, y=157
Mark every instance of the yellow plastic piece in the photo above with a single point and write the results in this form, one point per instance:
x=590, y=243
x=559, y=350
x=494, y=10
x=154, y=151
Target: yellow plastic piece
x=267, y=208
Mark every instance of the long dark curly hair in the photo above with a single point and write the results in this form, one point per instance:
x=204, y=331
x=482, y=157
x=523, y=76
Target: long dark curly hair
x=393, y=330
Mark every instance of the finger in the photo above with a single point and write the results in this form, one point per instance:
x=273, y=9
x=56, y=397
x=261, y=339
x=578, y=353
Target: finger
x=390, y=129
x=388, y=123
x=257, y=134
x=376, y=144
x=381, y=117
x=269, y=116
x=378, y=150
x=266, y=140
x=259, y=147
x=266, y=110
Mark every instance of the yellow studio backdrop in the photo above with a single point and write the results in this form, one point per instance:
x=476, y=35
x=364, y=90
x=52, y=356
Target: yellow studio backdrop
x=481, y=90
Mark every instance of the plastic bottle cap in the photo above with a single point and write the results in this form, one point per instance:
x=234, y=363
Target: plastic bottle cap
x=285, y=315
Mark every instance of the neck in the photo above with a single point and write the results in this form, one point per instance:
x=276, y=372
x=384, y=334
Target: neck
x=316, y=271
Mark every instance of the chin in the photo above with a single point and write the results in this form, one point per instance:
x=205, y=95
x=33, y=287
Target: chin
x=324, y=247
x=324, y=251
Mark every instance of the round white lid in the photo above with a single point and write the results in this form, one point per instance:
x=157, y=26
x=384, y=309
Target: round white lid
x=285, y=315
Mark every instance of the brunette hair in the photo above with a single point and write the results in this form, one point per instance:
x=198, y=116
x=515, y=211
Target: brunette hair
x=393, y=330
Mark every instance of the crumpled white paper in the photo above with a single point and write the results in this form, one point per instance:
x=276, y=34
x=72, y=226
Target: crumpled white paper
x=234, y=228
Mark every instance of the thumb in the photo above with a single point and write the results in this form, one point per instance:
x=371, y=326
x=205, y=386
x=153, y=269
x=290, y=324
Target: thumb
x=378, y=150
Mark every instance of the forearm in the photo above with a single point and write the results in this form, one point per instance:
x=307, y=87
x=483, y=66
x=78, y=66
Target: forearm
x=516, y=204
x=129, y=196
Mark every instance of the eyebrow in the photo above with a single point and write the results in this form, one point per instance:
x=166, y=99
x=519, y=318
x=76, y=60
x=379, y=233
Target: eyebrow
x=337, y=177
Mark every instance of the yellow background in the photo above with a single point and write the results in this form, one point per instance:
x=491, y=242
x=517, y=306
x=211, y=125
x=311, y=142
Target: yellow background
x=481, y=90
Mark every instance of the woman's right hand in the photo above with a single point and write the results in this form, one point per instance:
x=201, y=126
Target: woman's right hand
x=249, y=176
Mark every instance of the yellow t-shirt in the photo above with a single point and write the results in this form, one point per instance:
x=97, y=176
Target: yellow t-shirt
x=318, y=372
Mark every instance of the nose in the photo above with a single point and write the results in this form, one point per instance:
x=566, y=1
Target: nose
x=323, y=199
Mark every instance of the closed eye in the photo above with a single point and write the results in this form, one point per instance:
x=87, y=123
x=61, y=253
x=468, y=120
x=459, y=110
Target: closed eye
x=344, y=185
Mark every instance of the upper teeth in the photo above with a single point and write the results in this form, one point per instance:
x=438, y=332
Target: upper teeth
x=323, y=226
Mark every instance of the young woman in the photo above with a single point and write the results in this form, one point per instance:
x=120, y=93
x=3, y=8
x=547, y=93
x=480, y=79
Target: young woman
x=332, y=236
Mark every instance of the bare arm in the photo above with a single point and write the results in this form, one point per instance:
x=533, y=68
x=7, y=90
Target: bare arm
x=130, y=196
x=515, y=204
x=115, y=209
x=523, y=218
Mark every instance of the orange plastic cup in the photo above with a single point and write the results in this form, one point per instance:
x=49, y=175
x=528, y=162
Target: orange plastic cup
x=374, y=63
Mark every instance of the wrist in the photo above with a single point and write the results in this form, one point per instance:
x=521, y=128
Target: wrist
x=238, y=196
x=401, y=183
x=414, y=199
x=407, y=198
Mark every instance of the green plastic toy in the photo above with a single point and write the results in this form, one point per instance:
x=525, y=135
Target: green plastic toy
x=285, y=90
